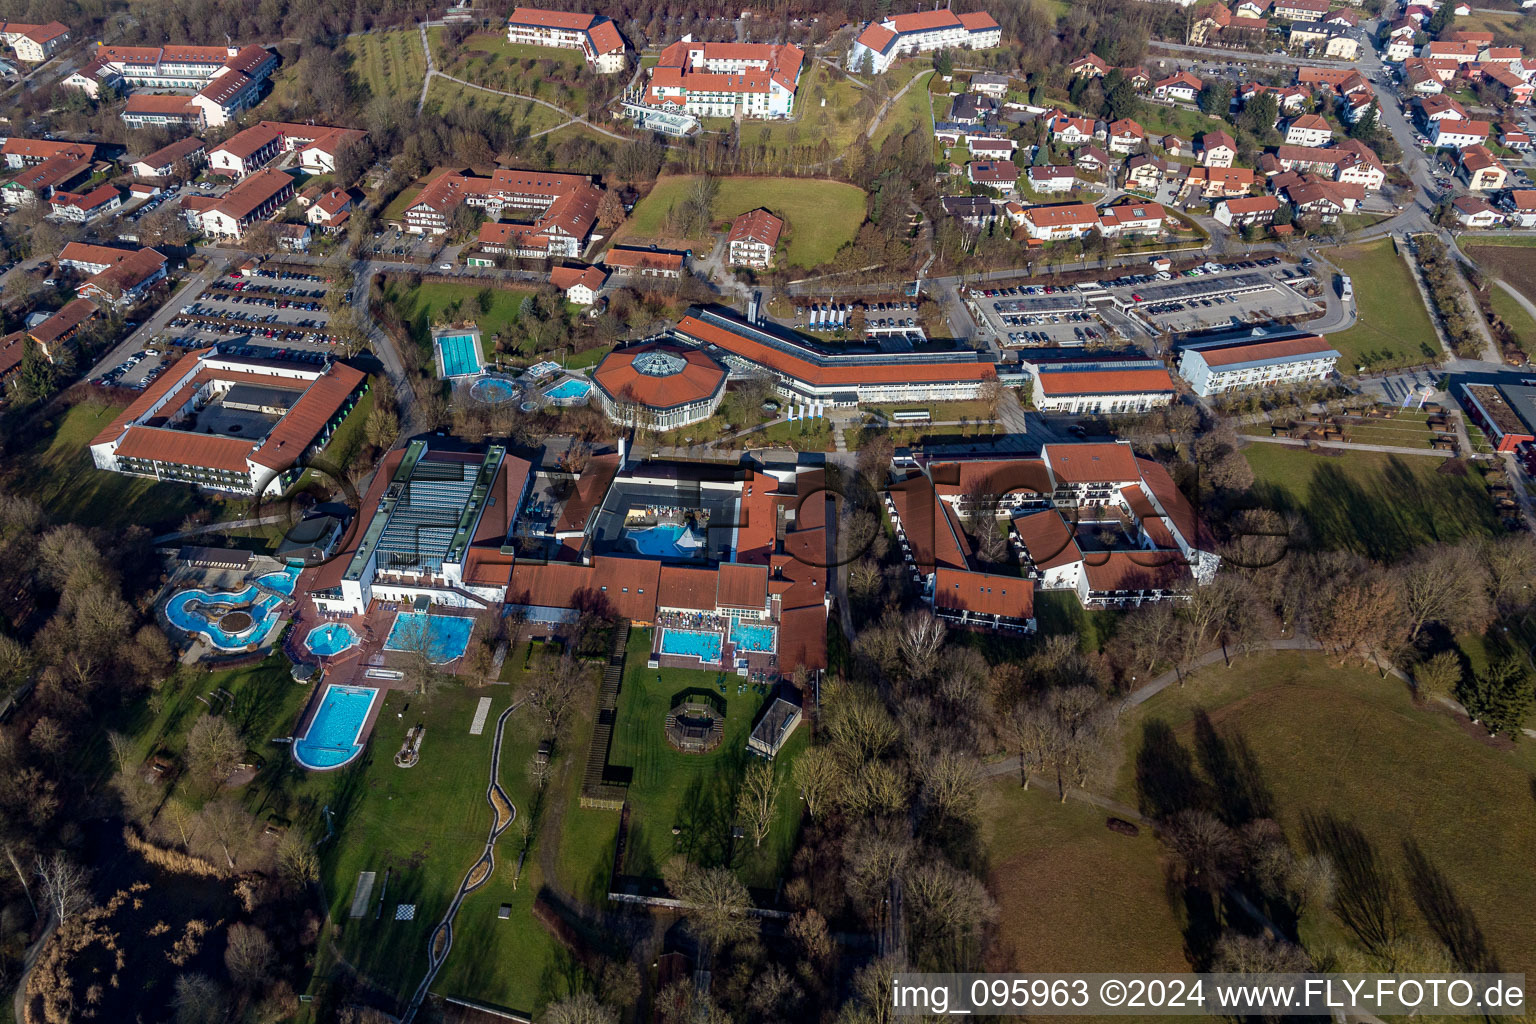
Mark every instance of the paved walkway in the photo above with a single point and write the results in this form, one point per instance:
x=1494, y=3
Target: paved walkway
x=441, y=942
x=237, y=524
x=1390, y=449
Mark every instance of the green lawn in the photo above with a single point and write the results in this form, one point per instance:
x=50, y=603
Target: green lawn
x=820, y=216
x=1071, y=894
x=397, y=206
x=388, y=64
x=1377, y=504
x=1514, y=314
x=1393, y=327
x=487, y=58
x=913, y=110
x=421, y=305
x=801, y=435
x=58, y=472
x=1342, y=740
x=939, y=412
x=1059, y=611
x=694, y=792
x=523, y=116
x=839, y=122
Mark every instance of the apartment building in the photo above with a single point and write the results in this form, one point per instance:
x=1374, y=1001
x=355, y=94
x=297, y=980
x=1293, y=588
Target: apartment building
x=881, y=43
x=595, y=36
x=1245, y=361
x=756, y=80
x=753, y=238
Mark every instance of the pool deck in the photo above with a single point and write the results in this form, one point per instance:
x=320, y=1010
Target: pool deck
x=312, y=708
x=761, y=665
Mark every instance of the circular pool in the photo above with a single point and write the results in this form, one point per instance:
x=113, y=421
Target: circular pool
x=493, y=390
x=529, y=406
x=331, y=639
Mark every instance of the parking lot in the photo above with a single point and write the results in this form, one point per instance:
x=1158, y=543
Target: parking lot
x=889, y=324
x=1040, y=315
x=273, y=307
x=1218, y=296
x=136, y=372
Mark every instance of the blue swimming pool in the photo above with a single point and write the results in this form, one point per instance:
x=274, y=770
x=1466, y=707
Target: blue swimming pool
x=282, y=581
x=447, y=636
x=569, y=392
x=666, y=541
x=459, y=355
x=330, y=639
x=751, y=636
x=192, y=611
x=493, y=390
x=335, y=734
x=691, y=643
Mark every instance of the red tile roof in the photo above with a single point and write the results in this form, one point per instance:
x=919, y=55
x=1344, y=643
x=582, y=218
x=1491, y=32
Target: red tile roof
x=757, y=226
x=699, y=377
x=1108, y=462
x=1105, y=382
x=984, y=593
x=1047, y=539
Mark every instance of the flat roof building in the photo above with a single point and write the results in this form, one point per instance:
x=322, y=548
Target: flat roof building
x=1255, y=360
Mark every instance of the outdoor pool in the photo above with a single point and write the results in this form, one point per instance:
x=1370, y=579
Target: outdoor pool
x=691, y=643
x=187, y=610
x=283, y=581
x=335, y=734
x=569, y=392
x=331, y=639
x=493, y=390
x=446, y=636
x=751, y=636
x=458, y=355
x=666, y=541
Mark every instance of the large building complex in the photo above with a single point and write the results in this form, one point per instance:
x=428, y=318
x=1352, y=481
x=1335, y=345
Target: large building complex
x=659, y=386
x=218, y=81
x=596, y=37
x=1255, y=360
x=1099, y=387
x=564, y=208
x=243, y=426
x=1090, y=518
x=902, y=35
x=256, y=198
x=801, y=371
x=755, y=80
x=34, y=43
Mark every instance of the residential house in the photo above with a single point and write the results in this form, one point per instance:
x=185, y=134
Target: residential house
x=1182, y=86
x=1145, y=173
x=330, y=210
x=78, y=207
x=1509, y=86
x=257, y=197
x=1521, y=204
x=626, y=262
x=1132, y=219
x=1246, y=210
x=973, y=211
x=595, y=36
x=580, y=284
x=1052, y=178
x=1512, y=136
x=1458, y=134
x=1071, y=131
x=1217, y=182
x=1126, y=136
x=1472, y=212
x=1089, y=159
x=1055, y=223
x=973, y=108
x=999, y=174
x=1217, y=149
x=1308, y=130
x=162, y=162
x=1301, y=10
x=127, y=280
x=1207, y=21
x=995, y=86
x=753, y=239
x=1481, y=170
x=34, y=43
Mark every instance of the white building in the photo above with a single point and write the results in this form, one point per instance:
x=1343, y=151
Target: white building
x=753, y=239
x=596, y=37
x=33, y=43
x=755, y=80
x=1100, y=388
x=902, y=35
x=1234, y=364
x=221, y=80
x=564, y=207
x=1308, y=130
x=1456, y=133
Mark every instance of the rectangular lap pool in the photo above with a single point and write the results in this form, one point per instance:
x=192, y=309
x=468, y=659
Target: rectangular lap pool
x=458, y=355
x=569, y=392
x=752, y=636
x=446, y=636
x=692, y=643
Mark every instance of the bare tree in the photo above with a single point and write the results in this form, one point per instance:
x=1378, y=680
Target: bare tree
x=949, y=784
x=1032, y=730
x=1206, y=849
x=1444, y=583
x=296, y=860
x=214, y=749
x=818, y=776
x=715, y=902
x=248, y=955
x=922, y=640
x=1439, y=676
x=558, y=690
x=230, y=826
x=538, y=771
x=198, y=1000
x=180, y=820
x=65, y=887
x=122, y=750
x=581, y=1008
x=754, y=802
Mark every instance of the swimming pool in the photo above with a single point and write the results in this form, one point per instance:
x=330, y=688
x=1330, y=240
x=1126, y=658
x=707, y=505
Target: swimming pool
x=447, y=636
x=182, y=612
x=335, y=734
x=569, y=392
x=330, y=639
x=691, y=643
x=458, y=355
x=493, y=390
x=282, y=581
x=663, y=541
x=751, y=636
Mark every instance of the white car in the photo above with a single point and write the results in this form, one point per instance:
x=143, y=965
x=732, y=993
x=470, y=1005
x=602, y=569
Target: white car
x=445, y=266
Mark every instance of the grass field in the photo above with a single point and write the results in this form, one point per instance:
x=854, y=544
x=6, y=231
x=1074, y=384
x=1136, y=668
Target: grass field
x=1394, y=329
x=1516, y=266
x=59, y=474
x=388, y=64
x=820, y=216
x=839, y=122
x=913, y=110
x=523, y=116
x=1514, y=314
x=1071, y=894
x=1502, y=24
x=1377, y=504
x=421, y=305
x=694, y=792
x=488, y=59
x=1326, y=738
